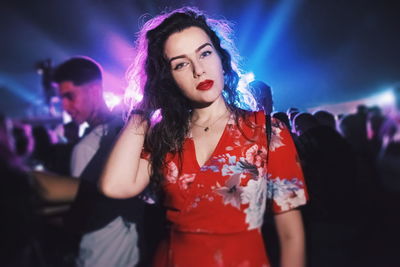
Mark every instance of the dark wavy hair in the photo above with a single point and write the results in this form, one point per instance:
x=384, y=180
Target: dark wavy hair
x=151, y=74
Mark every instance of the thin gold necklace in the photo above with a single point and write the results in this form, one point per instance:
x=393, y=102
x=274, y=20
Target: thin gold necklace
x=206, y=128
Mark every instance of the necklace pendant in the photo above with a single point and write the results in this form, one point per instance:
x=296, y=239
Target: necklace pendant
x=206, y=129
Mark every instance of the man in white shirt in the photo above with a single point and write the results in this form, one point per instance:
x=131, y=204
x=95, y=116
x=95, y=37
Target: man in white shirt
x=109, y=226
x=84, y=151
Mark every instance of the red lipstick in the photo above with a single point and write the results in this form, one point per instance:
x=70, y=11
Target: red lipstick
x=205, y=85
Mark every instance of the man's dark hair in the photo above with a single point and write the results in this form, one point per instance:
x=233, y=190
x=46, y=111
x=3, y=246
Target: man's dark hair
x=79, y=70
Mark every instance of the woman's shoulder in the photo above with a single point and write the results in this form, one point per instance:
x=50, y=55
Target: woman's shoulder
x=258, y=117
x=250, y=119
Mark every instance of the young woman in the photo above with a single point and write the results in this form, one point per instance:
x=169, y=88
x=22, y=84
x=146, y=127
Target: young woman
x=209, y=158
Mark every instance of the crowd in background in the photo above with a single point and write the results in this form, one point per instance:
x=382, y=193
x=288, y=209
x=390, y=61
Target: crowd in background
x=351, y=218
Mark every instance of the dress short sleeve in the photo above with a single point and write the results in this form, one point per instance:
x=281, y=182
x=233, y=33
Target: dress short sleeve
x=286, y=185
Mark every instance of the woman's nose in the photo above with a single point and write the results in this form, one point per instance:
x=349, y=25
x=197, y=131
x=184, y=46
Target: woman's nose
x=198, y=69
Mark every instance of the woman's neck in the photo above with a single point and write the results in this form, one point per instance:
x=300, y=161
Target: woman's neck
x=211, y=112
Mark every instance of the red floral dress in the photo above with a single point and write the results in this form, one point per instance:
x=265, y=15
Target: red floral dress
x=216, y=210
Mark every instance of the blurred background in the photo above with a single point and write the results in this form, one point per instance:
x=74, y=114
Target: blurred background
x=331, y=54
x=338, y=56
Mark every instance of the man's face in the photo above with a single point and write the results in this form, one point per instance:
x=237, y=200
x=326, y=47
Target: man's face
x=76, y=100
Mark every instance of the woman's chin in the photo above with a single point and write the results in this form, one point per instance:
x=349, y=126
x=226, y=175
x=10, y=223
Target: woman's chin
x=208, y=101
x=202, y=104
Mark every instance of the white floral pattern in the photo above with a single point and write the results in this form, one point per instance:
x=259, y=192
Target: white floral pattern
x=276, y=139
x=231, y=192
x=257, y=156
x=172, y=172
x=254, y=194
x=287, y=193
x=227, y=196
x=185, y=180
x=237, y=176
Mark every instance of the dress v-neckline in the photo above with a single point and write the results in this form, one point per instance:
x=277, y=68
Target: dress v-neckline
x=216, y=148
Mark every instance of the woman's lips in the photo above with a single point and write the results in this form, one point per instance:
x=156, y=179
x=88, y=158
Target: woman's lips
x=205, y=85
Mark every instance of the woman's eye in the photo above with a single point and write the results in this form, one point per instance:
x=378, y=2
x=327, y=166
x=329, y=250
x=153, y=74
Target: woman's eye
x=180, y=65
x=205, y=53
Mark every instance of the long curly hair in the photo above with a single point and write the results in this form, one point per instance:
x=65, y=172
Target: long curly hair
x=150, y=75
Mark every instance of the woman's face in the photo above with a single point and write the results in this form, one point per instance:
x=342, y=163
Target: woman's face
x=195, y=65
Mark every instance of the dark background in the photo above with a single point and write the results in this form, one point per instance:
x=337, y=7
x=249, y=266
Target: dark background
x=312, y=52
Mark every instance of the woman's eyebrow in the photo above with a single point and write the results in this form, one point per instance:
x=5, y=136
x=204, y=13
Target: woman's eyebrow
x=202, y=46
x=197, y=50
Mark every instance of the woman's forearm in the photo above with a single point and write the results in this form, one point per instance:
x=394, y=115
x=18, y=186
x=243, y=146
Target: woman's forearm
x=291, y=235
x=125, y=174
